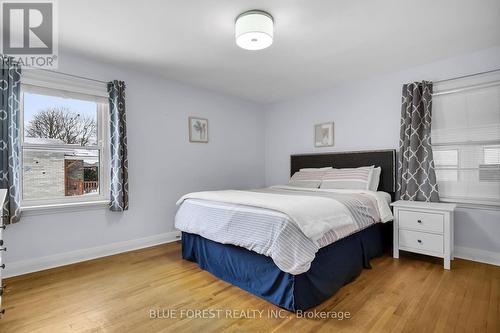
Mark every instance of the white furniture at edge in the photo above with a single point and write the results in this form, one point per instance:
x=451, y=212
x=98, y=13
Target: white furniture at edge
x=3, y=194
x=424, y=227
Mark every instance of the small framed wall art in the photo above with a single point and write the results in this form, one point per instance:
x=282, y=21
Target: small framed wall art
x=323, y=135
x=198, y=129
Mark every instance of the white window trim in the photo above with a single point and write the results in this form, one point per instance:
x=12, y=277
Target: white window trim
x=74, y=86
x=469, y=204
x=64, y=207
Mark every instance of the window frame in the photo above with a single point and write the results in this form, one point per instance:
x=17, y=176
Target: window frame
x=467, y=202
x=74, y=86
x=458, y=87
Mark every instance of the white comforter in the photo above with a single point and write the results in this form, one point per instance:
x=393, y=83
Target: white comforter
x=313, y=215
x=288, y=224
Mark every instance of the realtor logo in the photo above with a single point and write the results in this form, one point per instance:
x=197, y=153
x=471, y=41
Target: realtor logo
x=29, y=32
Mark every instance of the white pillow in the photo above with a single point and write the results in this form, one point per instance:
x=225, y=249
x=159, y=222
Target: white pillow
x=309, y=178
x=348, y=178
x=375, y=178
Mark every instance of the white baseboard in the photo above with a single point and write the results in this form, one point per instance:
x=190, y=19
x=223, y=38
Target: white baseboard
x=56, y=260
x=483, y=256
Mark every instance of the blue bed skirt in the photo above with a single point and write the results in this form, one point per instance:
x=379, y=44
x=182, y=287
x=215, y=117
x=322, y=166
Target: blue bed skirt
x=334, y=266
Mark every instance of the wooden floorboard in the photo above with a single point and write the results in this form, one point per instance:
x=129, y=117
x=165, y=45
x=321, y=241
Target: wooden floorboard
x=116, y=294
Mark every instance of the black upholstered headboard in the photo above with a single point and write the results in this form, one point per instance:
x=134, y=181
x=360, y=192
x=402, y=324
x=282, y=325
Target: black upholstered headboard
x=386, y=159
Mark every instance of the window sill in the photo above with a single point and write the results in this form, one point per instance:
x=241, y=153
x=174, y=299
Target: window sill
x=64, y=207
x=481, y=205
x=478, y=206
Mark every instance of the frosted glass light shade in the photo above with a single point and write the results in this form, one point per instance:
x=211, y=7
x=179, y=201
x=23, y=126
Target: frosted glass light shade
x=254, y=30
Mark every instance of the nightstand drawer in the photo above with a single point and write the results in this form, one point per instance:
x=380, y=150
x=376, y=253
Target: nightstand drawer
x=421, y=241
x=421, y=221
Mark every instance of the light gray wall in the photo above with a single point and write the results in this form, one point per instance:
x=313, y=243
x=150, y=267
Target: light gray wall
x=366, y=116
x=163, y=165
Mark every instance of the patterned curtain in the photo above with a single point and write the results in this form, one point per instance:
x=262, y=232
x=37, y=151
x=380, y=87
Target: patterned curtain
x=10, y=87
x=119, y=158
x=416, y=175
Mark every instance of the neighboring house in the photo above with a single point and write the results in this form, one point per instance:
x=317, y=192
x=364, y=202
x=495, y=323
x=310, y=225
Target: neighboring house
x=49, y=173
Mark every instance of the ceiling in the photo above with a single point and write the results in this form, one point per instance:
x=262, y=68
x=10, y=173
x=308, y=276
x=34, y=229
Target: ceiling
x=318, y=43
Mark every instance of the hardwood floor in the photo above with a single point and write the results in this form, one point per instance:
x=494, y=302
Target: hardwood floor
x=116, y=294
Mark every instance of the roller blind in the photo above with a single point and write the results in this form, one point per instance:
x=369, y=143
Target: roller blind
x=39, y=79
x=466, y=139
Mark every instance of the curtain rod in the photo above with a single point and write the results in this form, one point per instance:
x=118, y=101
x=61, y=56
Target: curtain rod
x=73, y=75
x=465, y=76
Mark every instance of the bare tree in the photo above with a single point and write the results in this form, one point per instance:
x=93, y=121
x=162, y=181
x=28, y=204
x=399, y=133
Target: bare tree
x=63, y=124
x=87, y=129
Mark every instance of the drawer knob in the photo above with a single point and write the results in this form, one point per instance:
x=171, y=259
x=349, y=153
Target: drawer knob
x=2, y=266
x=419, y=241
x=419, y=221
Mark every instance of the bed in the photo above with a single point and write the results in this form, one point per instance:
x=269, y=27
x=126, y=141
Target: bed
x=248, y=239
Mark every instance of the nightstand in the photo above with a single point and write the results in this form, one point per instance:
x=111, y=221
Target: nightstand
x=424, y=227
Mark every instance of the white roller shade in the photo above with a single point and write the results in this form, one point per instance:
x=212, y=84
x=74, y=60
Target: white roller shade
x=467, y=111
x=60, y=85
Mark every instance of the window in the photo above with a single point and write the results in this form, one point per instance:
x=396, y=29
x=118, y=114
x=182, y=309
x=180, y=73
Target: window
x=446, y=164
x=491, y=154
x=64, y=141
x=466, y=139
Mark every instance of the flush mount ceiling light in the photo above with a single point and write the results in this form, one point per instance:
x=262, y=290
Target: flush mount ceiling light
x=254, y=30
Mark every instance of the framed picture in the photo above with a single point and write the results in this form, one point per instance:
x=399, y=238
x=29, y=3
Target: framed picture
x=198, y=129
x=323, y=135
